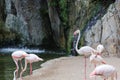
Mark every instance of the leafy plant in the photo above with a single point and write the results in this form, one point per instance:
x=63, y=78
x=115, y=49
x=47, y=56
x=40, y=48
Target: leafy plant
x=63, y=9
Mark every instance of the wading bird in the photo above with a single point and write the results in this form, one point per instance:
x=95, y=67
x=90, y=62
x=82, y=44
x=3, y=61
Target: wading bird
x=85, y=50
x=18, y=56
x=96, y=59
x=30, y=59
x=105, y=71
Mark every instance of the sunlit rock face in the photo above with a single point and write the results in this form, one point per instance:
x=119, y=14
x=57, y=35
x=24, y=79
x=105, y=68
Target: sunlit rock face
x=24, y=17
x=36, y=21
x=107, y=31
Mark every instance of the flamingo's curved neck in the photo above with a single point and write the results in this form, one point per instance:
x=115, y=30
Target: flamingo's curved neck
x=77, y=43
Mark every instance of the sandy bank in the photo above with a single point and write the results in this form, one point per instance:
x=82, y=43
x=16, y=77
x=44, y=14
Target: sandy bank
x=68, y=68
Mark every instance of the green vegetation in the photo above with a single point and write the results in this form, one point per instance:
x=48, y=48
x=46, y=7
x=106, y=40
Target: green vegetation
x=69, y=43
x=61, y=7
x=52, y=3
x=63, y=13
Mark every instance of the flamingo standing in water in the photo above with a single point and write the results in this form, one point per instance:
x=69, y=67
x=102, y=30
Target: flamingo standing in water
x=30, y=59
x=18, y=56
x=105, y=71
x=85, y=50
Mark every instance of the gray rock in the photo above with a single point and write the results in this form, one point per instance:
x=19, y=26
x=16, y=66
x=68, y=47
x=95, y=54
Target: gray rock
x=106, y=31
x=27, y=21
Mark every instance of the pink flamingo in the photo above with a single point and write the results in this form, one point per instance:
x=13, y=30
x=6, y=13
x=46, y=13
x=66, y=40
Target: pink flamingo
x=18, y=56
x=96, y=59
x=85, y=50
x=30, y=59
x=105, y=71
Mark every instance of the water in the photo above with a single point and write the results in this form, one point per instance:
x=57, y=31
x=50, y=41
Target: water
x=10, y=50
x=7, y=66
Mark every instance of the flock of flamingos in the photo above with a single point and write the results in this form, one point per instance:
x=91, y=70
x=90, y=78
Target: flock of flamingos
x=104, y=70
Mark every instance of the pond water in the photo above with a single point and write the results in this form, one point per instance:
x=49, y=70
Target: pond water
x=7, y=66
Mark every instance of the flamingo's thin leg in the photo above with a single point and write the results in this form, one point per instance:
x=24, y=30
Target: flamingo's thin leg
x=30, y=68
x=17, y=68
x=85, y=68
x=21, y=65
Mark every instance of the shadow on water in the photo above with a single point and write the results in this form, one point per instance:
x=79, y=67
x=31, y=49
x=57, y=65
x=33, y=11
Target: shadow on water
x=7, y=66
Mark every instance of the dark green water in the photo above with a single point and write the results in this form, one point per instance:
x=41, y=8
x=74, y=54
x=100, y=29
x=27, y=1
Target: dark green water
x=7, y=66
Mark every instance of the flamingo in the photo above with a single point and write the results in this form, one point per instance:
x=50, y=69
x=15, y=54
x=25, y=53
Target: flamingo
x=105, y=71
x=100, y=48
x=96, y=59
x=30, y=59
x=85, y=50
x=18, y=56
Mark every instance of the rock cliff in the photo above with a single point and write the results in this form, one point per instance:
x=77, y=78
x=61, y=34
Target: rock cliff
x=52, y=23
x=36, y=21
x=106, y=30
x=25, y=17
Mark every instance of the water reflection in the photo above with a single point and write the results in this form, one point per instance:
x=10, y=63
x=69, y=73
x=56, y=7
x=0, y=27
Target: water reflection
x=7, y=66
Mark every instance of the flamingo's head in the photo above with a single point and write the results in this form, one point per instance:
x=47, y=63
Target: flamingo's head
x=76, y=32
x=40, y=59
x=37, y=59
